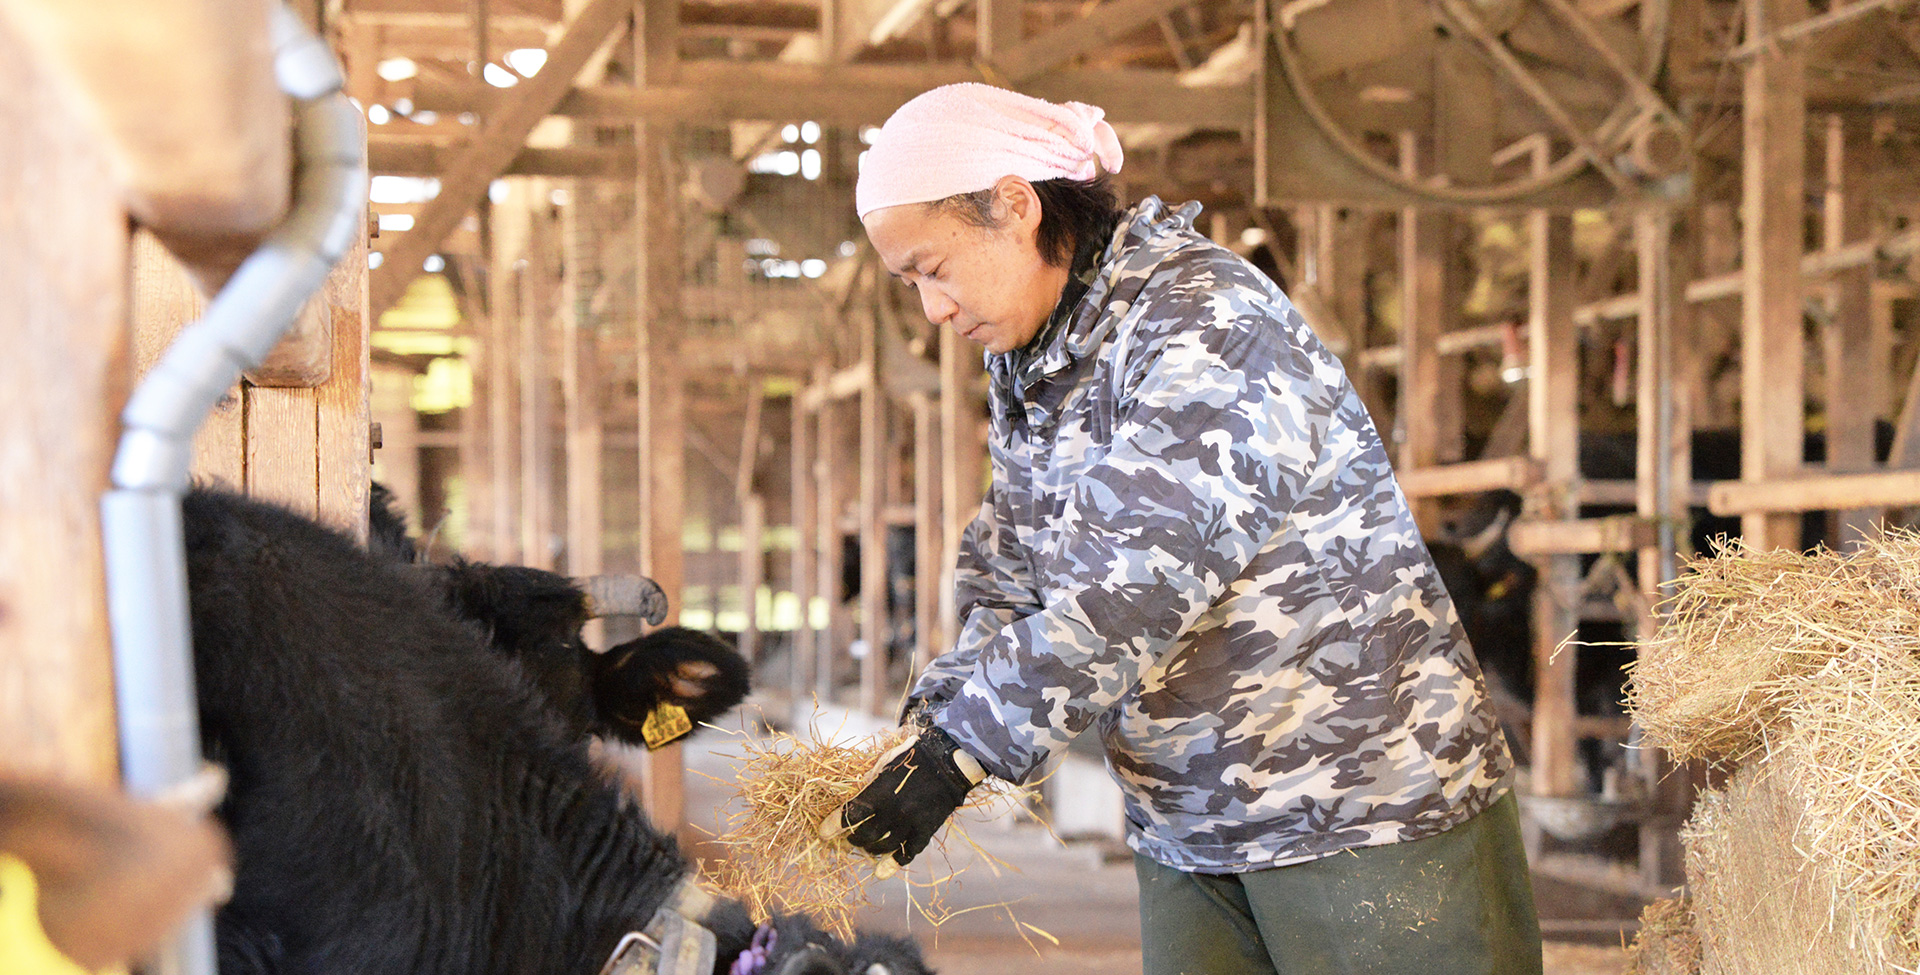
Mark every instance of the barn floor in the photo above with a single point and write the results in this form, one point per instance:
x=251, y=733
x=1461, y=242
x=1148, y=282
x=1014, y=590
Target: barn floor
x=1081, y=894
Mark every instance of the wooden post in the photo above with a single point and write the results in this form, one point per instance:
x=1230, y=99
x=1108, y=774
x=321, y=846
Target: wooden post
x=926, y=531
x=805, y=539
x=1422, y=412
x=537, y=299
x=962, y=455
x=1664, y=435
x=1663, y=472
x=581, y=387
x=663, y=436
x=1855, y=372
x=873, y=532
x=62, y=385
x=832, y=643
x=510, y=228
x=753, y=556
x=1553, y=441
x=1772, y=377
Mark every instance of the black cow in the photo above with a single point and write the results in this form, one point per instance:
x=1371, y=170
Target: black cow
x=404, y=798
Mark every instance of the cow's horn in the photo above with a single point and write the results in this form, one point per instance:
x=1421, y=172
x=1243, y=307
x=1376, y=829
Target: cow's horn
x=624, y=595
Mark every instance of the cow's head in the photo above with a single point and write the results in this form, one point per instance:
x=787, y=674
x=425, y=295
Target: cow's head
x=536, y=617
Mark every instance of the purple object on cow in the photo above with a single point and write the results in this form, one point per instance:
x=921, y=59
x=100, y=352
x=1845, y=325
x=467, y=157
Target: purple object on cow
x=753, y=961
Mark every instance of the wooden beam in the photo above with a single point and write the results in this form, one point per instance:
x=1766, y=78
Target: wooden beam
x=1471, y=477
x=402, y=156
x=851, y=95
x=854, y=380
x=1814, y=492
x=1889, y=248
x=1773, y=190
x=1107, y=23
x=483, y=160
x=1587, y=536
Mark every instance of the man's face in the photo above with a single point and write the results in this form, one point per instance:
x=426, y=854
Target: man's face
x=989, y=284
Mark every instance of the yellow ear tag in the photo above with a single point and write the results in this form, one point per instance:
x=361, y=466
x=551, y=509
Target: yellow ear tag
x=24, y=948
x=667, y=724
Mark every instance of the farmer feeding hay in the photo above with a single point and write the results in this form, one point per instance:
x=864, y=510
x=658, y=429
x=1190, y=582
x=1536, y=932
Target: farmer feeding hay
x=1194, y=542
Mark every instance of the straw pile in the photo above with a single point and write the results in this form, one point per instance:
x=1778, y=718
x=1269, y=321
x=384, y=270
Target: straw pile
x=776, y=861
x=1803, y=673
x=1666, y=943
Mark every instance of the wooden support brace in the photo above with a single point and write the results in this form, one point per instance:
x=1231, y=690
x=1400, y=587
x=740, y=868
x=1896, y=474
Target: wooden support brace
x=1497, y=474
x=1056, y=47
x=1815, y=493
x=1587, y=536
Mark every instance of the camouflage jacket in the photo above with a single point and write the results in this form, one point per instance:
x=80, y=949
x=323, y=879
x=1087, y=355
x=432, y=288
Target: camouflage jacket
x=1194, y=540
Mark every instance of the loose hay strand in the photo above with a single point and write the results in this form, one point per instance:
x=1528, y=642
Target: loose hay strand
x=776, y=861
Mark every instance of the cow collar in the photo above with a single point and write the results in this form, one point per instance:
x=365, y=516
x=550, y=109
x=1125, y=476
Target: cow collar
x=674, y=942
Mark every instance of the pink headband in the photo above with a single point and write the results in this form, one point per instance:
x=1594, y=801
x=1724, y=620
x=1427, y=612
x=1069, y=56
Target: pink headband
x=963, y=138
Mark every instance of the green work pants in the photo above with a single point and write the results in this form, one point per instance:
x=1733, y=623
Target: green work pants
x=1459, y=903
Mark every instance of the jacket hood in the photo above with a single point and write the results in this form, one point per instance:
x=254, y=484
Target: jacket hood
x=1147, y=234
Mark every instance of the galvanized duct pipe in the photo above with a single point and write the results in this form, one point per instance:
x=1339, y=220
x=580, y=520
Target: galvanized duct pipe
x=140, y=518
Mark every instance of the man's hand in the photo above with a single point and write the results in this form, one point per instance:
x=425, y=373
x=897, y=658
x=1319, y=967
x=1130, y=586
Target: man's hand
x=914, y=788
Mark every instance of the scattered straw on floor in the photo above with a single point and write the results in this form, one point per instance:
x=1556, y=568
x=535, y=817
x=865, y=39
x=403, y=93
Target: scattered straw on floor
x=777, y=863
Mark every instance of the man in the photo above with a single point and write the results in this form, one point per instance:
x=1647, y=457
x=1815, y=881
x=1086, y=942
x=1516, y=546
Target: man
x=1194, y=543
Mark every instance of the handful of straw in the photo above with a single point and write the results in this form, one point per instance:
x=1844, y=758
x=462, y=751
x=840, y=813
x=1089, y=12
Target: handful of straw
x=776, y=861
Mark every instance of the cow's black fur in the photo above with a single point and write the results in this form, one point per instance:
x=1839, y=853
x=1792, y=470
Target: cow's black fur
x=403, y=799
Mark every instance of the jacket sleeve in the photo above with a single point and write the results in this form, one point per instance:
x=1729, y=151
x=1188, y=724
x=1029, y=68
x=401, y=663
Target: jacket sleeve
x=992, y=588
x=1214, y=443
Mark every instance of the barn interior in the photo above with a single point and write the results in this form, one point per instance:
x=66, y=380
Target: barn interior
x=1615, y=279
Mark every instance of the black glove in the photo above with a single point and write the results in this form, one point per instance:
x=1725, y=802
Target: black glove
x=914, y=788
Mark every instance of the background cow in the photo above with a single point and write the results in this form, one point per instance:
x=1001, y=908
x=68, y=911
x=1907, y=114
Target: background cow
x=405, y=798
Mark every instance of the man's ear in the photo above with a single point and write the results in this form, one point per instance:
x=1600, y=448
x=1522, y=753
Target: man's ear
x=1016, y=205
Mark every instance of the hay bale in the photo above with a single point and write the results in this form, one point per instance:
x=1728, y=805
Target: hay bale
x=1713, y=682
x=1666, y=943
x=1803, y=670
x=1764, y=901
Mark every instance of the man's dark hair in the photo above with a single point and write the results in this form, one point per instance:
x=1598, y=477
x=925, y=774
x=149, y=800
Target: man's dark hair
x=1072, y=211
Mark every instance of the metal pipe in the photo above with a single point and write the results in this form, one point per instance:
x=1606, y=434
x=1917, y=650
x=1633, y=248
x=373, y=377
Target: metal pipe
x=140, y=518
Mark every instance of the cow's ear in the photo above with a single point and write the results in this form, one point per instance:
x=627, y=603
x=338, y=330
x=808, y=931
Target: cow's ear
x=673, y=666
